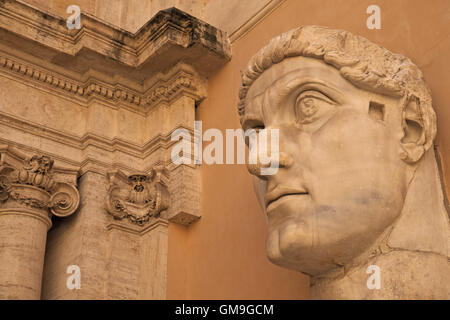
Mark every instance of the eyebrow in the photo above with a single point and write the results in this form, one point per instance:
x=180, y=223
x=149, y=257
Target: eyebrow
x=292, y=76
x=283, y=86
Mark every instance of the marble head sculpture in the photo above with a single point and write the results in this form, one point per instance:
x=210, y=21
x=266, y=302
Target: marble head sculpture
x=357, y=182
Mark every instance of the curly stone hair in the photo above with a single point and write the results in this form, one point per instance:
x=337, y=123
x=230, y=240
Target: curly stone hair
x=363, y=63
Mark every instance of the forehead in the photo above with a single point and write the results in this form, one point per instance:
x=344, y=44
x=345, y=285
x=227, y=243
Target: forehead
x=279, y=76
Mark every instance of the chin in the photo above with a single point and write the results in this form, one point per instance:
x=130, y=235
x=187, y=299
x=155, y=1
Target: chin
x=295, y=245
x=315, y=238
x=289, y=245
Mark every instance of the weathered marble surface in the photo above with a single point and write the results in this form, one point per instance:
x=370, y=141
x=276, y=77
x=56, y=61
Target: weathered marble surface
x=357, y=182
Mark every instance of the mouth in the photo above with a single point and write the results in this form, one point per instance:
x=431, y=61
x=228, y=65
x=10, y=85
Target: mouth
x=280, y=192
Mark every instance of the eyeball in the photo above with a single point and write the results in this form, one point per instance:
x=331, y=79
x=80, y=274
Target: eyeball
x=308, y=107
x=311, y=105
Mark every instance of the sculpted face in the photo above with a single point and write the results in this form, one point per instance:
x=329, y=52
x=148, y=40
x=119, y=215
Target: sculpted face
x=341, y=181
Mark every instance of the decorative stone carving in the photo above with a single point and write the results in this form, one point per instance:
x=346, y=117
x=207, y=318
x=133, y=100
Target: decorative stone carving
x=148, y=84
x=182, y=79
x=137, y=197
x=358, y=183
x=101, y=99
x=32, y=190
x=33, y=186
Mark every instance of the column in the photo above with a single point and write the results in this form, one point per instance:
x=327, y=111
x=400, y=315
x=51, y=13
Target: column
x=29, y=197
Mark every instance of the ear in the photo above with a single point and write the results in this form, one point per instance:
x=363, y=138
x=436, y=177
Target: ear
x=414, y=138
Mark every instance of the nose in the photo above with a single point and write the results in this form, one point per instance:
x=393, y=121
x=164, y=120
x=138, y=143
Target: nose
x=284, y=160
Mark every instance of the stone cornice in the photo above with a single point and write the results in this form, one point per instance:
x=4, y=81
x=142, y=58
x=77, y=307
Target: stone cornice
x=140, y=151
x=90, y=164
x=181, y=80
x=169, y=29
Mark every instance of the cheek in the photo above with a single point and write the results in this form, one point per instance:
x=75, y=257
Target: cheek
x=353, y=135
x=353, y=154
x=357, y=220
x=353, y=167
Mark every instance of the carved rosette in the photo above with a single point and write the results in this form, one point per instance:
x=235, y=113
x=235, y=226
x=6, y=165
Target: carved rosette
x=139, y=198
x=33, y=186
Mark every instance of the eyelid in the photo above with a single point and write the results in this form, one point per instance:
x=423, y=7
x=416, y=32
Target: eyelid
x=309, y=113
x=253, y=124
x=314, y=93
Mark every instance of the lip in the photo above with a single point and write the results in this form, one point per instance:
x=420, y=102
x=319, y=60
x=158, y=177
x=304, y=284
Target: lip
x=280, y=191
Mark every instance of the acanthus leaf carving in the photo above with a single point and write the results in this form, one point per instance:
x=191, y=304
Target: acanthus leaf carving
x=36, y=172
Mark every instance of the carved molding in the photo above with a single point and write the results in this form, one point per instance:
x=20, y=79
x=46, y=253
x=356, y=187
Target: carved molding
x=139, y=198
x=139, y=230
x=159, y=74
x=34, y=185
x=181, y=80
x=168, y=28
x=131, y=148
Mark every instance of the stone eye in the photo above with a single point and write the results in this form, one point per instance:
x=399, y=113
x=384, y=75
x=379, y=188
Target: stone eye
x=311, y=105
x=258, y=128
x=308, y=107
x=254, y=124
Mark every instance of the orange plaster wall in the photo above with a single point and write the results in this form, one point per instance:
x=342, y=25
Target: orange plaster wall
x=222, y=255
